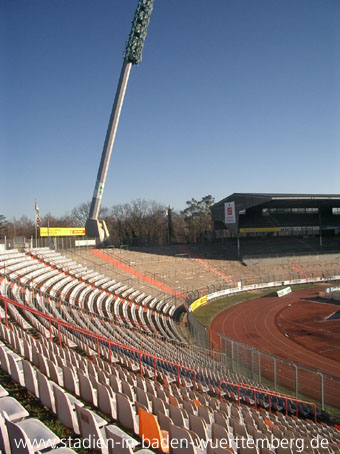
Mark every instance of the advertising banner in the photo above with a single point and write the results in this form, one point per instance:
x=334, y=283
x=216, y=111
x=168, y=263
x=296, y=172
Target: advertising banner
x=230, y=291
x=284, y=291
x=62, y=231
x=333, y=289
x=85, y=243
x=198, y=303
x=230, y=215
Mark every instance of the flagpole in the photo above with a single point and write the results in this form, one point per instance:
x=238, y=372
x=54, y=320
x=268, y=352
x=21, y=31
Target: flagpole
x=36, y=228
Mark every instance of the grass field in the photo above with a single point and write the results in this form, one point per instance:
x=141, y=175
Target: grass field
x=206, y=313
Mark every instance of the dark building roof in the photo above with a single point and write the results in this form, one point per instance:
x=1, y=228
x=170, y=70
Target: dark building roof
x=280, y=210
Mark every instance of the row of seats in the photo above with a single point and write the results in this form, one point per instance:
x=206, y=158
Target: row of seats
x=100, y=372
x=100, y=327
x=162, y=324
x=75, y=316
x=16, y=427
x=146, y=312
x=129, y=399
x=95, y=325
x=205, y=379
x=56, y=259
x=69, y=410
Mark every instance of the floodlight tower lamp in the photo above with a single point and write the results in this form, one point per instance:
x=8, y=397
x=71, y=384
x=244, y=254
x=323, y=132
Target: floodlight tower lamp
x=132, y=56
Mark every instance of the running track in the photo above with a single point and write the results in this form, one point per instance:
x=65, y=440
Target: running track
x=254, y=323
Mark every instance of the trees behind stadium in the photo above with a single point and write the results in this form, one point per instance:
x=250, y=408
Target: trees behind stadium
x=138, y=223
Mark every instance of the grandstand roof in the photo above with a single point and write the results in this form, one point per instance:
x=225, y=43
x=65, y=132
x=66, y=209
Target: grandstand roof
x=249, y=199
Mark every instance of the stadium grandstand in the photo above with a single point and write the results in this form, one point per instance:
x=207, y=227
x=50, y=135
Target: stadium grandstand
x=277, y=214
x=92, y=359
x=109, y=362
x=282, y=218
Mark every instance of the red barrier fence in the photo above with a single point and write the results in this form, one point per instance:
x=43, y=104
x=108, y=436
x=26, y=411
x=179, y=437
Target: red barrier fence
x=16, y=277
x=97, y=338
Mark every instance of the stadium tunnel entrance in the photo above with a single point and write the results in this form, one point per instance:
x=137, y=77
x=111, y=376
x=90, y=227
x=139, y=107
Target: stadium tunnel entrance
x=179, y=311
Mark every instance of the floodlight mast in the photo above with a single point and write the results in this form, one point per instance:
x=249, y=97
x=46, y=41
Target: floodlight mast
x=132, y=56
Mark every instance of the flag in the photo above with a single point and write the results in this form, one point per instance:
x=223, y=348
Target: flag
x=37, y=215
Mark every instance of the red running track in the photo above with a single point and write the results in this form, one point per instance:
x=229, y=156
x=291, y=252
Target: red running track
x=255, y=323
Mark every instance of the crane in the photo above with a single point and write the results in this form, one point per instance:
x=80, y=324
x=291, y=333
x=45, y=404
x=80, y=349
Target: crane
x=95, y=227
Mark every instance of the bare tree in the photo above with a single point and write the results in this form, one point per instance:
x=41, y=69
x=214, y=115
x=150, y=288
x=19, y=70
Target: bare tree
x=24, y=227
x=80, y=213
x=138, y=223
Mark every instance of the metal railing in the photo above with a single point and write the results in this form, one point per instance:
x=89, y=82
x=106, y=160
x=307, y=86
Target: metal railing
x=77, y=304
x=277, y=372
x=266, y=368
x=254, y=390
x=104, y=347
x=101, y=341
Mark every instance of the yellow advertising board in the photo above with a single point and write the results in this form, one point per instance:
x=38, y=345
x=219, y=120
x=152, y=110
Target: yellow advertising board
x=259, y=229
x=198, y=303
x=62, y=231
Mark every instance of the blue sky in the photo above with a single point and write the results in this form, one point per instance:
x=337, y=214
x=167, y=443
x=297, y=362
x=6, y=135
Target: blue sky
x=231, y=96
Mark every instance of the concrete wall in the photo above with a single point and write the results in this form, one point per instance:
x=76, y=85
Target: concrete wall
x=293, y=259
